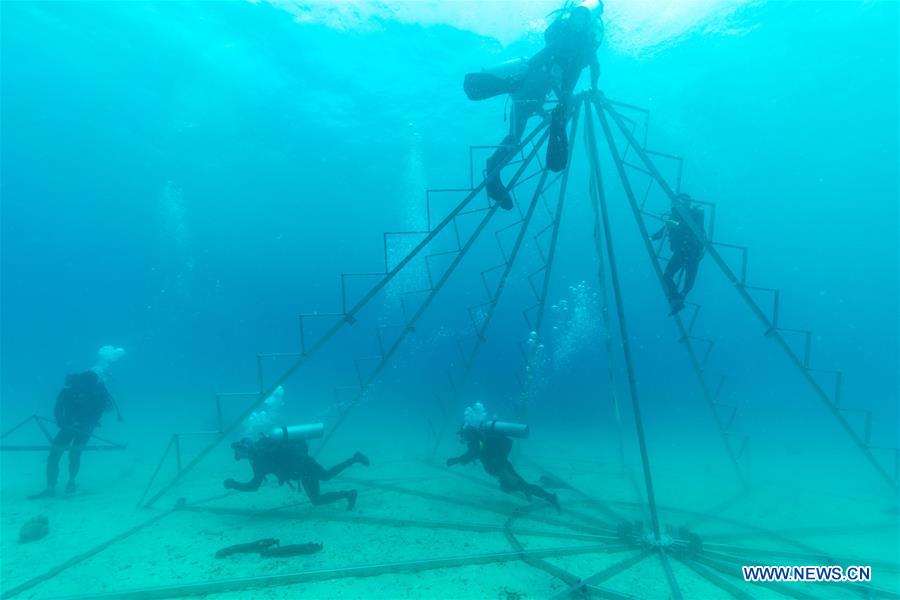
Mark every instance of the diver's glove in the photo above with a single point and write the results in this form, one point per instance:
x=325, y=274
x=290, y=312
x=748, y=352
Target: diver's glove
x=230, y=484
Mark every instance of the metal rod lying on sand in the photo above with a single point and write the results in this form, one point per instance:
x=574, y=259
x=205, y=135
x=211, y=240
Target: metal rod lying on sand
x=253, y=583
x=473, y=504
x=539, y=563
x=594, y=522
x=607, y=573
x=670, y=575
x=584, y=495
x=391, y=522
x=715, y=579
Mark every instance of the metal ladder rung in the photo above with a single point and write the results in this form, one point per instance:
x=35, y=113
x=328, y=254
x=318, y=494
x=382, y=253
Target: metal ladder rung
x=345, y=277
x=356, y=364
x=637, y=168
x=380, y=329
x=387, y=234
x=430, y=191
x=776, y=301
x=838, y=382
x=473, y=211
x=428, y=258
x=303, y=316
x=867, y=427
x=719, y=387
x=807, y=347
x=484, y=282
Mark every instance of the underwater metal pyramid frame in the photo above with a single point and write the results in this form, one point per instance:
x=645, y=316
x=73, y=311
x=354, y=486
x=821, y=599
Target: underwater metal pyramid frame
x=605, y=528
x=599, y=103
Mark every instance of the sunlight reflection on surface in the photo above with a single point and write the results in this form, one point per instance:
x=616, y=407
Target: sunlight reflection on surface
x=633, y=26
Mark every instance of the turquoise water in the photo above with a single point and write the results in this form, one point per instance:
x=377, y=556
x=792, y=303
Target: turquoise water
x=182, y=180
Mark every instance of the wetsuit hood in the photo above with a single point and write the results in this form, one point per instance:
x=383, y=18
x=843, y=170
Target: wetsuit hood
x=469, y=433
x=244, y=448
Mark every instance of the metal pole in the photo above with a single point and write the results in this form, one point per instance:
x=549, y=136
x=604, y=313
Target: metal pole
x=554, y=236
x=407, y=330
x=682, y=330
x=203, y=588
x=715, y=579
x=177, y=439
x=607, y=326
x=219, y=412
x=600, y=198
x=770, y=328
x=442, y=430
x=670, y=574
x=538, y=563
x=15, y=428
x=501, y=285
x=341, y=517
x=607, y=573
x=479, y=337
x=159, y=465
x=548, y=267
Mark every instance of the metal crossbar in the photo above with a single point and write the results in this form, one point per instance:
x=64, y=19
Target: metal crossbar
x=40, y=422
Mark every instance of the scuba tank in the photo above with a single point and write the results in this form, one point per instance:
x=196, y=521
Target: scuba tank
x=516, y=430
x=291, y=433
x=494, y=81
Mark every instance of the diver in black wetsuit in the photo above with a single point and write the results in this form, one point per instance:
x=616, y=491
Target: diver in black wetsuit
x=571, y=44
x=687, y=251
x=493, y=451
x=79, y=406
x=289, y=460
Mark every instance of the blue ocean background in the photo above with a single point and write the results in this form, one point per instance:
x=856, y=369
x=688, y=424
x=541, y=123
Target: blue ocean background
x=183, y=179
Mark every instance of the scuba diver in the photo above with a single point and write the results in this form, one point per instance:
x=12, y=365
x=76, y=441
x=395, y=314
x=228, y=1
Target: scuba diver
x=687, y=250
x=488, y=442
x=285, y=454
x=79, y=406
x=570, y=45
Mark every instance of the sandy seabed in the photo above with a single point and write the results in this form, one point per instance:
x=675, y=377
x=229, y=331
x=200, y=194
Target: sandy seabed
x=412, y=508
